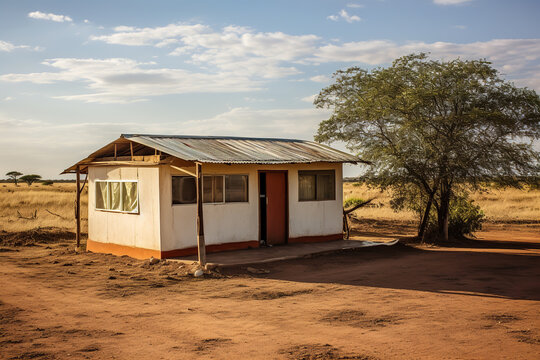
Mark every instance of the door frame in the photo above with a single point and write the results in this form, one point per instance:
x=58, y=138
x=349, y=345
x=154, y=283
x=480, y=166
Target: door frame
x=286, y=173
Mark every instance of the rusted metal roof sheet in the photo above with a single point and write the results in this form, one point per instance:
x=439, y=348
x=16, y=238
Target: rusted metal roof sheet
x=242, y=150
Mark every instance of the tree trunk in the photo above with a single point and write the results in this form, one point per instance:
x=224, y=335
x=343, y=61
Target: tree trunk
x=443, y=213
x=425, y=218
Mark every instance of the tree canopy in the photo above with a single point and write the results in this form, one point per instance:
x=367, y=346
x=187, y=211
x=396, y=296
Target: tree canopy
x=13, y=175
x=30, y=179
x=434, y=125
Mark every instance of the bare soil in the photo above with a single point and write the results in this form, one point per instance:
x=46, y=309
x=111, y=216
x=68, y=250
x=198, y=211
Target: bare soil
x=478, y=299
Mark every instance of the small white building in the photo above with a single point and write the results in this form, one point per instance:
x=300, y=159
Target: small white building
x=142, y=198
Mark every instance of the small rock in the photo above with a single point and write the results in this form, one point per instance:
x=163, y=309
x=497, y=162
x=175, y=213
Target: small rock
x=153, y=261
x=111, y=269
x=198, y=273
x=112, y=277
x=182, y=266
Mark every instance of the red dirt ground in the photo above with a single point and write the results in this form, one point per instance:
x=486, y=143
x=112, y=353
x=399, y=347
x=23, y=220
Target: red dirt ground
x=477, y=300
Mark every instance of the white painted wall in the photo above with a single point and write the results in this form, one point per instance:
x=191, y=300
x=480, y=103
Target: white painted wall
x=137, y=230
x=315, y=218
x=223, y=223
x=237, y=222
x=160, y=225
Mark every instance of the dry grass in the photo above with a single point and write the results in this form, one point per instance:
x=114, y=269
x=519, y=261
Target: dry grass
x=499, y=205
x=506, y=205
x=54, y=206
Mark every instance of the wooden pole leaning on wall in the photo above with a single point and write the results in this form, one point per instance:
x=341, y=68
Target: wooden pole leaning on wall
x=78, y=207
x=200, y=223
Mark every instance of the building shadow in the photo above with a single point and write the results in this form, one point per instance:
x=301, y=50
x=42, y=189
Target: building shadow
x=483, y=269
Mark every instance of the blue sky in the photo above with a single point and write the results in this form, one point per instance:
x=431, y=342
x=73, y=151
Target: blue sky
x=74, y=75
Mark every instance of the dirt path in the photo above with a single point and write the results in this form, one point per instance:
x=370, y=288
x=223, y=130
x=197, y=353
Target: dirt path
x=475, y=302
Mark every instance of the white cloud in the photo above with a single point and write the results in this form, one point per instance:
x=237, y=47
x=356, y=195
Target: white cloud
x=131, y=36
x=245, y=121
x=515, y=58
x=50, y=16
x=460, y=27
x=343, y=14
x=120, y=80
x=34, y=140
x=320, y=78
x=9, y=98
x=9, y=47
x=255, y=100
x=234, y=49
x=348, y=18
x=309, y=98
x=450, y=2
x=354, y=6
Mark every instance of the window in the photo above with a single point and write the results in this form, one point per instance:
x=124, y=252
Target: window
x=316, y=185
x=212, y=188
x=236, y=188
x=216, y=189
x=184, y=190
x=121, y=196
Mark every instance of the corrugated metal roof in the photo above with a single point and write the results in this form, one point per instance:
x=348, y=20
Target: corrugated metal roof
x=242, y=150
x=229, y=150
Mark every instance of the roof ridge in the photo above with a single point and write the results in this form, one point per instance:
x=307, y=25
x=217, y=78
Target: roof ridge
x=127, y=136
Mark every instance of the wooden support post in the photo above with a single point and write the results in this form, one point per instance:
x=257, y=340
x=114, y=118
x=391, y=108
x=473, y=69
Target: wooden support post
x=200, y=223
x=78, y=206
x=131, y=150
x=114, y=151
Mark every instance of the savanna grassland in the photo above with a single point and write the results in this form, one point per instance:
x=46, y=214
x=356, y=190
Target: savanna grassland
x=54, y=206
x=472, y=300
x=500, y=205
x=24, y=207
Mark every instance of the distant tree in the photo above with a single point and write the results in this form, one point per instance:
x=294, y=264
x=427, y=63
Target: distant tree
x=47, y=182
x=13, y=175
x=30, y=179
x=438, y=127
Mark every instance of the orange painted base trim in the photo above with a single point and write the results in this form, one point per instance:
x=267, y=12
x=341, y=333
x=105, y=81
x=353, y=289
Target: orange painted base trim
x=140, y=253
x=115, y=249
x=320, y=238
x=211, y=249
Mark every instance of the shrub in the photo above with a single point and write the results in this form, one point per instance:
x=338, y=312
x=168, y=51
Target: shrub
x=47, y=182
x=465, y=217
x=349, y=203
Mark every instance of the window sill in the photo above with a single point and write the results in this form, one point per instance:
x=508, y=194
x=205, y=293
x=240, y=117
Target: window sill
x=119, y=211
x=219, y=203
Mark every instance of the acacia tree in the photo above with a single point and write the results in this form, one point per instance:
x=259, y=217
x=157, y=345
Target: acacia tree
x=30, y=179
x=13, y=175
x=435, y=125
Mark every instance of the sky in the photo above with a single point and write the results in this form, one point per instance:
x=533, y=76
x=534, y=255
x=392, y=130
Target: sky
x=74, y=75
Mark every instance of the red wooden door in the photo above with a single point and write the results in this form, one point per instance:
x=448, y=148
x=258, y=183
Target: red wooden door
x=276, y=208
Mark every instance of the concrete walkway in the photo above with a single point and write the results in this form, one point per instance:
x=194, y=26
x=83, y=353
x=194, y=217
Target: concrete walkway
x=279, y=253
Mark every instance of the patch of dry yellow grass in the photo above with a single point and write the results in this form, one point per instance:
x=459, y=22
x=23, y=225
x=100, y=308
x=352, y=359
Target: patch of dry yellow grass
x=499, y=205
x=44, y=201
x=502, y=205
